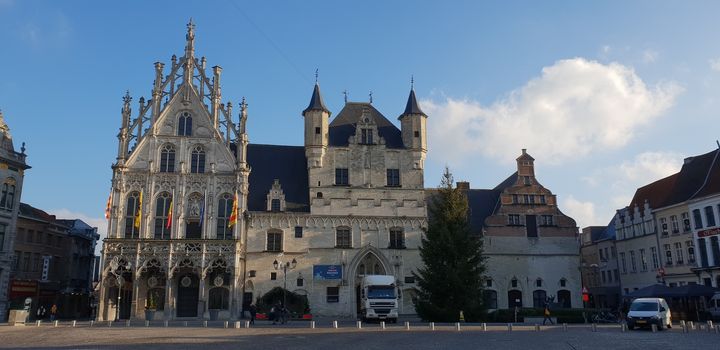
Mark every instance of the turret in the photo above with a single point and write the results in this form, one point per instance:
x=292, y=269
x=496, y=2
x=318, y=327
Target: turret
x=317, y=118
x=124, y=135
x=525, y=164
x=413, y=124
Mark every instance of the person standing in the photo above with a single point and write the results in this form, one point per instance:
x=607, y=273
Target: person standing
x=253, y=313
x=53, y=312
x=546, y=312
x=41, y=312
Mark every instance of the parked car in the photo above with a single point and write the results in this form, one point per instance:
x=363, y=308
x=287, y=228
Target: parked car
x=644, y=312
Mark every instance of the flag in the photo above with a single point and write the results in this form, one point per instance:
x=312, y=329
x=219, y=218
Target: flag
x=138, y=213
x=169, y=216
x=107, y=207
x=233, y=215
x=202, y=210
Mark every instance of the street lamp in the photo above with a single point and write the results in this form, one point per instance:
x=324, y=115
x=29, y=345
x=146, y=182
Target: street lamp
x=285, y=267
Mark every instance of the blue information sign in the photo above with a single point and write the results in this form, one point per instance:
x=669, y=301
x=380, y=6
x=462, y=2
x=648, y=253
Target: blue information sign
x=327, y=272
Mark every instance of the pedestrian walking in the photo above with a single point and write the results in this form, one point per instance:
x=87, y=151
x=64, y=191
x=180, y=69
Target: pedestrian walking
x=253, y=313
x=547, y=314
x=53, y=312
x=41, y=312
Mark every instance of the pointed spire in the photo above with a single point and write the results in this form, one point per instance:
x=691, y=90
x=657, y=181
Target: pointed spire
x=412, y=106
x=316, y=102
x=190, y=38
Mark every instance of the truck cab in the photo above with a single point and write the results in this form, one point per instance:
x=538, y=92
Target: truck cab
x=379, y=298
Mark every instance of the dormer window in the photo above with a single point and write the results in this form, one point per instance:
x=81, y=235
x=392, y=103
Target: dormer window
x=366, y=136
x=276, y=198
x=185, y=124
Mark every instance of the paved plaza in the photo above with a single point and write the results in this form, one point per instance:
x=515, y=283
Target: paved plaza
x=299, y=335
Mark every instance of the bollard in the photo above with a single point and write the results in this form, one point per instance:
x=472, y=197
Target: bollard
x=623, y=327
x=166, y=323
x=691, y=326
x=717, y=329
x=74, y=323
x=92, y=323
x=564, y=327
x=226, y=324
x=185, y=323
x=382, y=325
x=432, y=326
x=109, y=323
x=127, y=323
x=147, y=323
x=484, y=327
x=654, y=328
x=359, y=324
x=247, y=324
x=312, y=324
x=335, y=324
x=509, y=327
x=407, y=325
x=38, y=323
x=55, y=324
x=457, y=326
x=237, y=324
x=205, y=324
x=710, y=326
x=593, y=327
x=685, y=328
x=537, y=327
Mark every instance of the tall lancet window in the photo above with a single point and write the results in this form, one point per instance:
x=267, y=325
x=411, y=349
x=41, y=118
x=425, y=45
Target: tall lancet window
x=225, y=205
x=185, y=124
x=163, y=216
x=131, y=211
x=167, y=159
x=197, y=161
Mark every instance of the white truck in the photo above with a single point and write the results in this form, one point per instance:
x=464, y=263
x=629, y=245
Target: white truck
x=378, y=298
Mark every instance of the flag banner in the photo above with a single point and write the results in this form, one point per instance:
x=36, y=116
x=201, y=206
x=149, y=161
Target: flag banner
x=233, y=215
x=138, y=213
x=107, y=207
x=170, y=214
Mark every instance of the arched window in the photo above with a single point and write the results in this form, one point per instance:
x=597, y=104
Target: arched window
x=131, y=208
x=490, y=299
x=539, y=298
x=7, y=200
x=563, y=296
x=163, y=216
x=343, y=238
x=219, y=298
x=274, y=241
x=225, y=205
x=197, y=160
x=275, y=205
x=167, y=159
x=397, y=238
x=185, y=124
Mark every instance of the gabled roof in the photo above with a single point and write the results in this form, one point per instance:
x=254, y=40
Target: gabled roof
x=712, y=185
x=412, y=106
x=316, y=102
x=343, y=126
x=656, y=193
x=285, y=163
x=31, y=212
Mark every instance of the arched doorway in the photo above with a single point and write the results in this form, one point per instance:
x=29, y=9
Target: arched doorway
x=187, y=295
x=369, y=261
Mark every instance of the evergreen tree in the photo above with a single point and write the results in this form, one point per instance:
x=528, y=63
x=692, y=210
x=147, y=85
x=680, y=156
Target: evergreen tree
x=451, y=279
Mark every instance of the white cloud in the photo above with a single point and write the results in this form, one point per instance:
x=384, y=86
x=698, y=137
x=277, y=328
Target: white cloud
x=582, y=212
x=98, y=222
x=715, y=64
x=649, y=56
x=648, y=167
x=574, y=108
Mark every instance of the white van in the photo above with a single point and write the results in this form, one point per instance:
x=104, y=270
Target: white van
x=645, y=312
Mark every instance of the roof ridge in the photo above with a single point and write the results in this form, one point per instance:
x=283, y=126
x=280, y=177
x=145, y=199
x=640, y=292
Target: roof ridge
x=707, y=176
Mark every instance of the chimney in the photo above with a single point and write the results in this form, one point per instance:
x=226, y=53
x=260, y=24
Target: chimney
x=463, y=185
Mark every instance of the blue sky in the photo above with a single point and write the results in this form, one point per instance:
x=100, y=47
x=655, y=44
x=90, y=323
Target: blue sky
x=606, y=95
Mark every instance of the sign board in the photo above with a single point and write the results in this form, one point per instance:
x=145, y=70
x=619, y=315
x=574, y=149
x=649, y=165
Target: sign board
x=327, y=272
x=710, y=232
x=584, y=290
x=45, y=268
x=21, y=289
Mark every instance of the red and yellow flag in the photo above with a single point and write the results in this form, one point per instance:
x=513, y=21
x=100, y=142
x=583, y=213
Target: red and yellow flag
x=169, y=216
x=233, y=215
x=107, y=207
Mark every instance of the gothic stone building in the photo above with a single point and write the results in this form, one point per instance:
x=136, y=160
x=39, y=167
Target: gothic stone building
x=12, y=171
x=199, y=219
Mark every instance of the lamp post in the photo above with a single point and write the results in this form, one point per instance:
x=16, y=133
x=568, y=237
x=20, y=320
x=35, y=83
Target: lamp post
x=285, y=266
